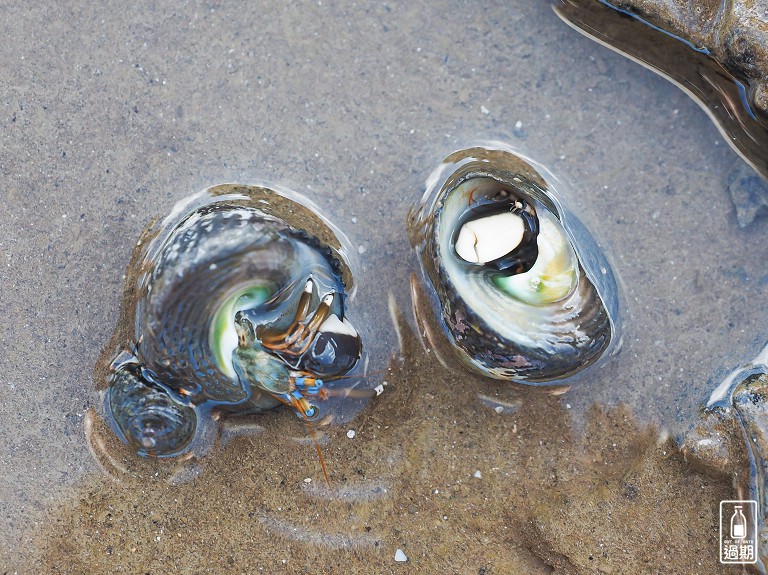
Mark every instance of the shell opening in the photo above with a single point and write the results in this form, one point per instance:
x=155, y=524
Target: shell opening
x=554, y=275
x=224, y=336
x=496, y=227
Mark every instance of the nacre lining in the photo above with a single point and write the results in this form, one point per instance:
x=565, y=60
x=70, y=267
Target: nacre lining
x=542, y=312
x=232, y=251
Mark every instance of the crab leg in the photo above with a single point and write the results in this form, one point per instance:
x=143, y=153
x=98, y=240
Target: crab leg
x=308, y=412
x=267, y=336
x=297, y=341
x=296, y=400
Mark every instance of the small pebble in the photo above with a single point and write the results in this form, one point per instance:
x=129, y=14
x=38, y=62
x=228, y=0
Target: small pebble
x=484, y=110
x=308, y=480
x=478, y=475
x=351, y=433
x=361, y=249
x=400, y=556
x=498, y=409
x=518, y=125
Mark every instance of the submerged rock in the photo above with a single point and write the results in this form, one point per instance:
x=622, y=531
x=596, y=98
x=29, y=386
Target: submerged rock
x=734, y=33
x=749, y=193
x=733, y=434
x=716, y=51
x=750, y=402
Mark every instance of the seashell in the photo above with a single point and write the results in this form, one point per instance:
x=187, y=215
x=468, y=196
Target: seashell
x=519, y=286
x=234, y=303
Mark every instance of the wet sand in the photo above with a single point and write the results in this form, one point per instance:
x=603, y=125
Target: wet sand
x=112, y=114
x=433, y=470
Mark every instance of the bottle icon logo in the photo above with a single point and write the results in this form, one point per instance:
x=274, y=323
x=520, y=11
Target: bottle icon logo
x=738, y=524
x=738, y=532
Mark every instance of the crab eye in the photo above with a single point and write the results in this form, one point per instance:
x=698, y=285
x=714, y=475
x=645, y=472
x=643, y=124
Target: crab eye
x=244, y=329
x=335, y=349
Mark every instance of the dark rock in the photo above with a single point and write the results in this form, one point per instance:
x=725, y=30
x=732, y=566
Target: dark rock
x=749, y=193
x=734, y=33
x=717, y=52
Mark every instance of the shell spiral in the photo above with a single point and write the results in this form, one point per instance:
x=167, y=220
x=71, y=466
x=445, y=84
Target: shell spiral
x=233, y=250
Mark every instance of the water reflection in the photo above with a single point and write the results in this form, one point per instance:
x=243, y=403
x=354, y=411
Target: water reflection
x=727, y=99
x=234, y=303
x=433, y=469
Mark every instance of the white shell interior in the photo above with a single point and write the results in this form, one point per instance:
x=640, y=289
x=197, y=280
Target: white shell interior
x=519, y=308
x=486, y=239
x=555, y=273
x=333, y=324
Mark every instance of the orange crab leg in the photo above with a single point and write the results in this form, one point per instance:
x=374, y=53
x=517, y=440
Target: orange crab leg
x=319, y=455
x=298, y=402
x=471, y=198
x=301, y=313
x=309, y=328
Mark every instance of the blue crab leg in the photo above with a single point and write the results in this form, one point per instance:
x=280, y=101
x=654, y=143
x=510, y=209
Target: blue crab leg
x=296, y=400
x=309, y=384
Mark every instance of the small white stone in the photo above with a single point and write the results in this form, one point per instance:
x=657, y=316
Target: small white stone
x=308, y=480
x=400, y=557
x=484, y=110
x=486, y=239
x=478, y=475
x=351, y=433
x=518, y=125
x=498, y=409
x=361, y=249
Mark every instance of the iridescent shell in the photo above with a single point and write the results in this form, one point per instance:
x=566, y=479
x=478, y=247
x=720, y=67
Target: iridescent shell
x=542, y=310
x=228, y=257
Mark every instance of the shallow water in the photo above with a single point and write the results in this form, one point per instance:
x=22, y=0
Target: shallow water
x=112, y=114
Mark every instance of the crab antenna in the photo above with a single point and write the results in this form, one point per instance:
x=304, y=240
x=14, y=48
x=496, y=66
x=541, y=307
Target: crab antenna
x=319, y=455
